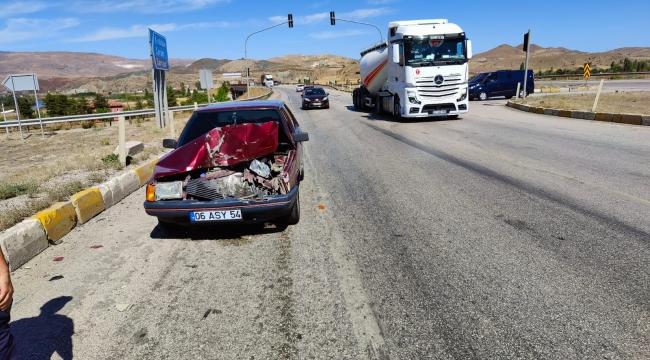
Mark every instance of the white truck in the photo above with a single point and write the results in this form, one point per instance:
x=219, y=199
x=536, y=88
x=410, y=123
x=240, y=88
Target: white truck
x=267, y=80
x=421, y=71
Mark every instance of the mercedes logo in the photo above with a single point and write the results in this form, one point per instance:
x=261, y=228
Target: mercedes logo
x=438, y=79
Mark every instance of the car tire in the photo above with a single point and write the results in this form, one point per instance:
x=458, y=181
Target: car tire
x=509, y=97
x=294, y=216
x=482, y=96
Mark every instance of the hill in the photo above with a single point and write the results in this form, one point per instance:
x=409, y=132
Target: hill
x=544, y=58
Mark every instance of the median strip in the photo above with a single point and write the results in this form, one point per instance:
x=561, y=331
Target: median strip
x=631, y=119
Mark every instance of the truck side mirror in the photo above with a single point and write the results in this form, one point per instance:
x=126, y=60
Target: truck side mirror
x=469, y=49
x=396, y=54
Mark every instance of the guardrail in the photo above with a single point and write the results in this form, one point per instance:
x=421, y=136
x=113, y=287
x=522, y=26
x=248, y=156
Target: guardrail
x=102, y=116
x=578, y=75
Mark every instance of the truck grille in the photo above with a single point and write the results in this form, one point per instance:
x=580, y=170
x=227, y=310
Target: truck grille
x=429, y=89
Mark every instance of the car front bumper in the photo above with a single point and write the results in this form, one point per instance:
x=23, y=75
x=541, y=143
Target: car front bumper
x=311, y=105
x=253, y=211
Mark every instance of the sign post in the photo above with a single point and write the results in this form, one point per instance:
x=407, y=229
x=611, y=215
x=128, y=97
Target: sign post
x=526, y=49
x=586, y=71
x=4, y=117
x=205, y=77
x=160, y=61
x=24, y=82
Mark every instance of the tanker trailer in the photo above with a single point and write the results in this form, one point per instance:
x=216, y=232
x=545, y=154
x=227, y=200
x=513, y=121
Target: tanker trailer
x=421, y=71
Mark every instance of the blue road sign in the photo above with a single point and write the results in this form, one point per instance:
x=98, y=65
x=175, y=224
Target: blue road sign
x=158, y=51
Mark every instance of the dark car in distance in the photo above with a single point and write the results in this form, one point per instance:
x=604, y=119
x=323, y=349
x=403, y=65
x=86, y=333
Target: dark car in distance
x=500, y=83
x=315, y=97
x=237, y=162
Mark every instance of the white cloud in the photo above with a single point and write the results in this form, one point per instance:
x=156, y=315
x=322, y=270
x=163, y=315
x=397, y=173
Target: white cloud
x=21, y=7
x=143, y=6
x=140, y=30
x=331, y=34
x=381, y=2
x=22, y=29
x=358, y=14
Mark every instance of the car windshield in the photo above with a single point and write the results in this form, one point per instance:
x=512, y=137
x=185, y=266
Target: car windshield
x=478, y=78
x=203, y=121
x=434, y=50
x=315, y=91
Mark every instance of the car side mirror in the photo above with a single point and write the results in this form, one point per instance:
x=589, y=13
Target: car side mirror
x=169, y=143
x=300, y=136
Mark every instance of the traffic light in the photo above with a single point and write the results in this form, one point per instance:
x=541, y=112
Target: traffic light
x=332, y=18
x=290, y=20
x=526, y=41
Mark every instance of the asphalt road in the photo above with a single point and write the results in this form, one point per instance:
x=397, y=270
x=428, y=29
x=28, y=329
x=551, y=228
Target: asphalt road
x=500, y=235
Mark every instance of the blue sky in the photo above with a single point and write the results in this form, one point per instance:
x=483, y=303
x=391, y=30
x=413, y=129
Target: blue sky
x=217, y=28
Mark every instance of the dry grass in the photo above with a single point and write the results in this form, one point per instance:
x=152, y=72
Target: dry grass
x=621, y=102
x=64, y=162
x=255, y=92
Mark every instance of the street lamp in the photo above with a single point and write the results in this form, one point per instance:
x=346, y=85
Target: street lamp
x=333, y=19
x=248, y=81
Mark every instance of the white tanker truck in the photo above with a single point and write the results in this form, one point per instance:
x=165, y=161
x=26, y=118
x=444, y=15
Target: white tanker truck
x=421, y=71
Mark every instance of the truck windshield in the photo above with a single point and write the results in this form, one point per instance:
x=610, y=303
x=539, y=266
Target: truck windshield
x=434, y=50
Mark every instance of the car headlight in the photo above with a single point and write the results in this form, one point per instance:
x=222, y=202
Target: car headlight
x=169, y=190
x=307, y=100
x=325, y=98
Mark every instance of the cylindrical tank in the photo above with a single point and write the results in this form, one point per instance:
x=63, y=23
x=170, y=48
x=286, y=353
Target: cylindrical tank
x=374, y=67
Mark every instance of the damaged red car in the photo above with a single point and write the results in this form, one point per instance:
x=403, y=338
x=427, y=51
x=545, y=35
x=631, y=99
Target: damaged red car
x=233, y=162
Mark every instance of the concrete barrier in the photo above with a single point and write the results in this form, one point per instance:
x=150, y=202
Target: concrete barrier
x=22, y=242
x=87, y=204
x=128, y=182
x=144, y=172
x=630, y=119
x=57, y=220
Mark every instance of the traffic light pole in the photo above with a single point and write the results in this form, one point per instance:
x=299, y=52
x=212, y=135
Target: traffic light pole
x=526, y=66
x=333, y=19
x=248, y=81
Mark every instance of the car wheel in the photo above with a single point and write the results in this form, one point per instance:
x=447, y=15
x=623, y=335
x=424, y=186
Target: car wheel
x=521, y=93
x=482, y=96
x=509, y=97
x=294, y=216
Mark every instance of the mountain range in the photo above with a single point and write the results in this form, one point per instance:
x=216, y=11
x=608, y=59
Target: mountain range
x=78, y=72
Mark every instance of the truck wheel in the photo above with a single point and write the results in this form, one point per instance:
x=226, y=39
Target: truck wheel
x=397, y=109
x=355, y=99
x=482, y=96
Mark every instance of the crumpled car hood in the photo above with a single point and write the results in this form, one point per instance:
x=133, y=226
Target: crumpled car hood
x=224, y=146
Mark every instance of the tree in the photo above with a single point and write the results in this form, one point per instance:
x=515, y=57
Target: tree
x=171, y=96
x=222, y=92
x=25, y=104
x=101, y=103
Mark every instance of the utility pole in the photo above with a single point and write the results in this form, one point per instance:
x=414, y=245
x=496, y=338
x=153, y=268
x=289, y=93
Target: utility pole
x=248, y=81
x=526, y=49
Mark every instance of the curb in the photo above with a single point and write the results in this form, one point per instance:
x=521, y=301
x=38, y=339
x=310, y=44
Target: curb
x=23, y=241
x=630, y=119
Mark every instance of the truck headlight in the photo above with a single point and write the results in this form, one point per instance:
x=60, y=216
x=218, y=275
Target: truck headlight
x=169, y=190
x=413, y=98
x=463, y=95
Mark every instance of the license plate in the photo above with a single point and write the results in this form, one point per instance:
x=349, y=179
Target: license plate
x=438, y=112
x=217, y=215
x=317, y=103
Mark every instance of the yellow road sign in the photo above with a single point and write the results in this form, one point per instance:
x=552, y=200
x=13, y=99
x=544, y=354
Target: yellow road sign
x=586, y=68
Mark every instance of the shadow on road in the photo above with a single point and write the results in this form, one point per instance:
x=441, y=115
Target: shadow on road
x=386, y=117
x=213, y=232
x=40, y=337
